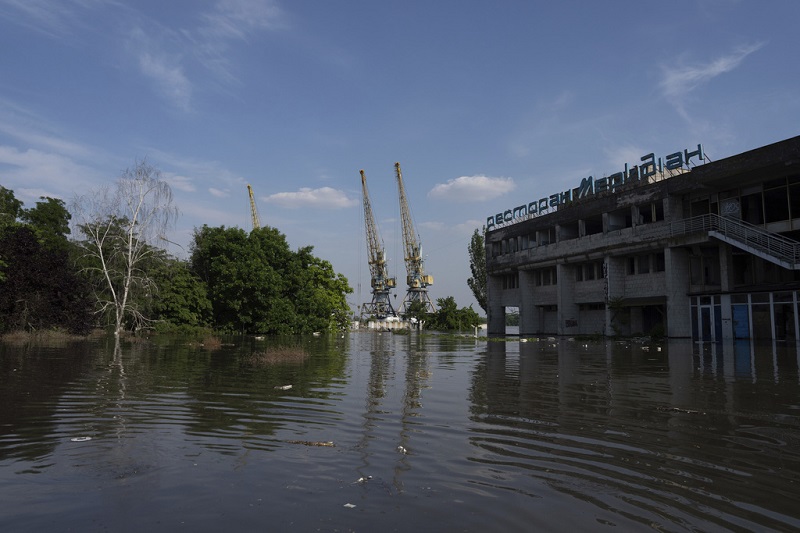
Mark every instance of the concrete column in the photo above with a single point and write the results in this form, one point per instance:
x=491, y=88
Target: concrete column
x=673, y=208
x=677, y=278
x=565, y=300
x=528, y=312
x=726, y=281
x=615, y=278
x=496, y=313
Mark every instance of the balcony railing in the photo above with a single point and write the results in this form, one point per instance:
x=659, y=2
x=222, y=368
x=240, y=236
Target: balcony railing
x=770, y=246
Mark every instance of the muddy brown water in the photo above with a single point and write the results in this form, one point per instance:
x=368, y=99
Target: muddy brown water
x=378, y=431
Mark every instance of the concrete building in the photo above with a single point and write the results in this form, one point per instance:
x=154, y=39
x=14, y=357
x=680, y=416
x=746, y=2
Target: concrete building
x=678, y=246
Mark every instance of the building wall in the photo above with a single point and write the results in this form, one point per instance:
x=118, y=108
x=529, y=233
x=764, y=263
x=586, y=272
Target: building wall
x=655, y=272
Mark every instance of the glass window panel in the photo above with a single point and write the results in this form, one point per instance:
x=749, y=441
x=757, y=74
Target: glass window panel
x=776, y=203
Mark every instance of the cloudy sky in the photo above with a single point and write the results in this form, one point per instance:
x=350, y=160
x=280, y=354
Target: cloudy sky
x=486, y=105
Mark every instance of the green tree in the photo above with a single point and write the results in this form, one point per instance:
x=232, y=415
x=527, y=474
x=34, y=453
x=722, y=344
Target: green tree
x=181, y=300
x=321, y=293
x=40, y=289
x=121, y=226
x=477, y=265
x=10, y=207
x=449, y=317
x=256, y=284
x=418, y=311
x=49, y=219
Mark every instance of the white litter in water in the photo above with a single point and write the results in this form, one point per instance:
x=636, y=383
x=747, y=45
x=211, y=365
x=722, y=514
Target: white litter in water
x=80, y=439
x=283, y=387
x=349, y=505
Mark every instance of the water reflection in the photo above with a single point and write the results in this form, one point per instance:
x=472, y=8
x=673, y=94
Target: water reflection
x=474, y=435
x=664, y=436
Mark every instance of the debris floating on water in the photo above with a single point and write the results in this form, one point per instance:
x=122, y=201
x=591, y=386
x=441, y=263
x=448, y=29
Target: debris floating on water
x=349, y=505
x=80, y=439
x=402, y=450
x=362, y=479
x=328, y=444
x=283, y=387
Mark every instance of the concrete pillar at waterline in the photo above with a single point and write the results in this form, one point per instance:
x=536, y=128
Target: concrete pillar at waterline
x=679, y=322
x=726, y=281
x=496, y=313
x=565, y=299
x=528, y=312
x=615, y=281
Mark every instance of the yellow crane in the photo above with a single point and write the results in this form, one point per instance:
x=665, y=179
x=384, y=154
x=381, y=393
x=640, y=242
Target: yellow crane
x=253, y=209
x=418, y=281
x=382, y=284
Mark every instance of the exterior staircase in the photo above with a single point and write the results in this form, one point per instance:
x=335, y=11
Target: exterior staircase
x=756, y=240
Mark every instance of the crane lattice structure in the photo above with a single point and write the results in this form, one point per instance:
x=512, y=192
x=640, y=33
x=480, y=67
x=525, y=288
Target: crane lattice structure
x=254, y=209
x=382, y=284
x=416, y=278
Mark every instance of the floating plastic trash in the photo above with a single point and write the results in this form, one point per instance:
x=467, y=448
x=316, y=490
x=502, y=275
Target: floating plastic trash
x=80, y=439
x=283, y=387
x=349, y=505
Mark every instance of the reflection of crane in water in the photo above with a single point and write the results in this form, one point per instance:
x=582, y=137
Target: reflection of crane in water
x=378, y=415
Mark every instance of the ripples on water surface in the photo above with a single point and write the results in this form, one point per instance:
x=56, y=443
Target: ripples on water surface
x=401, y=433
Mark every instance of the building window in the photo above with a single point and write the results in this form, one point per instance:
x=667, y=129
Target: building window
x=511, y=281
x=659, y=264
x=752, y=208
x=777, y=202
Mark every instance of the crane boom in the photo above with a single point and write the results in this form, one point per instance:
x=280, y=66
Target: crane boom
x=253, y=209
x=417, y=280
x=381, y=305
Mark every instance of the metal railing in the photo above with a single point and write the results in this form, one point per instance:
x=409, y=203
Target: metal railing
x=780, y=249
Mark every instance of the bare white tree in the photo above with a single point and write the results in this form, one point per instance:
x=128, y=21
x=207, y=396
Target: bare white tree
x=121, y=225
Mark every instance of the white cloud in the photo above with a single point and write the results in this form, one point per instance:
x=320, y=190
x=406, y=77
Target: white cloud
x=169, y=78
x=678, y=81
x=56, y=18
x=472, y=188
x=24, y=125
x=235, y=19
x=219, y=193
x=58, y=175
x=231, y=20
x=182, y=183
x=325, y=198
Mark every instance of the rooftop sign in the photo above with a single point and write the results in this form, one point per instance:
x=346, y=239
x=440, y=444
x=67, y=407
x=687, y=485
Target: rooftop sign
x=650, y=166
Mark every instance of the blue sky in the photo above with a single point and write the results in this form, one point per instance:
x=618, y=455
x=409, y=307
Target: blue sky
x=486, y=105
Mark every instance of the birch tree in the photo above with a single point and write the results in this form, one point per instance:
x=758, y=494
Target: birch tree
x=122, y=225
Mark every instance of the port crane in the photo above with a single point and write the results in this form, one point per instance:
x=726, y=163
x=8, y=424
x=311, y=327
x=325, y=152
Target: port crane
x=382, y=284
x=417, y=280
x=253, y=209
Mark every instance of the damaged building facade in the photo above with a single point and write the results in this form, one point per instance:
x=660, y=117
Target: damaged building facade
x=677, y=246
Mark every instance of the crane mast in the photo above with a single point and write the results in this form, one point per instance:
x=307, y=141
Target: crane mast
x=417, y=280
x=381, y=305
x=253, y=209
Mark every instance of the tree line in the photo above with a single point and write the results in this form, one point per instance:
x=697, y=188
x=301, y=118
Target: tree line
x=101, y=262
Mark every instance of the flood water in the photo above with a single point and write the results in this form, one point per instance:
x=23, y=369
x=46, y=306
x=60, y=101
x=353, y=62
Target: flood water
x=388, y=432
